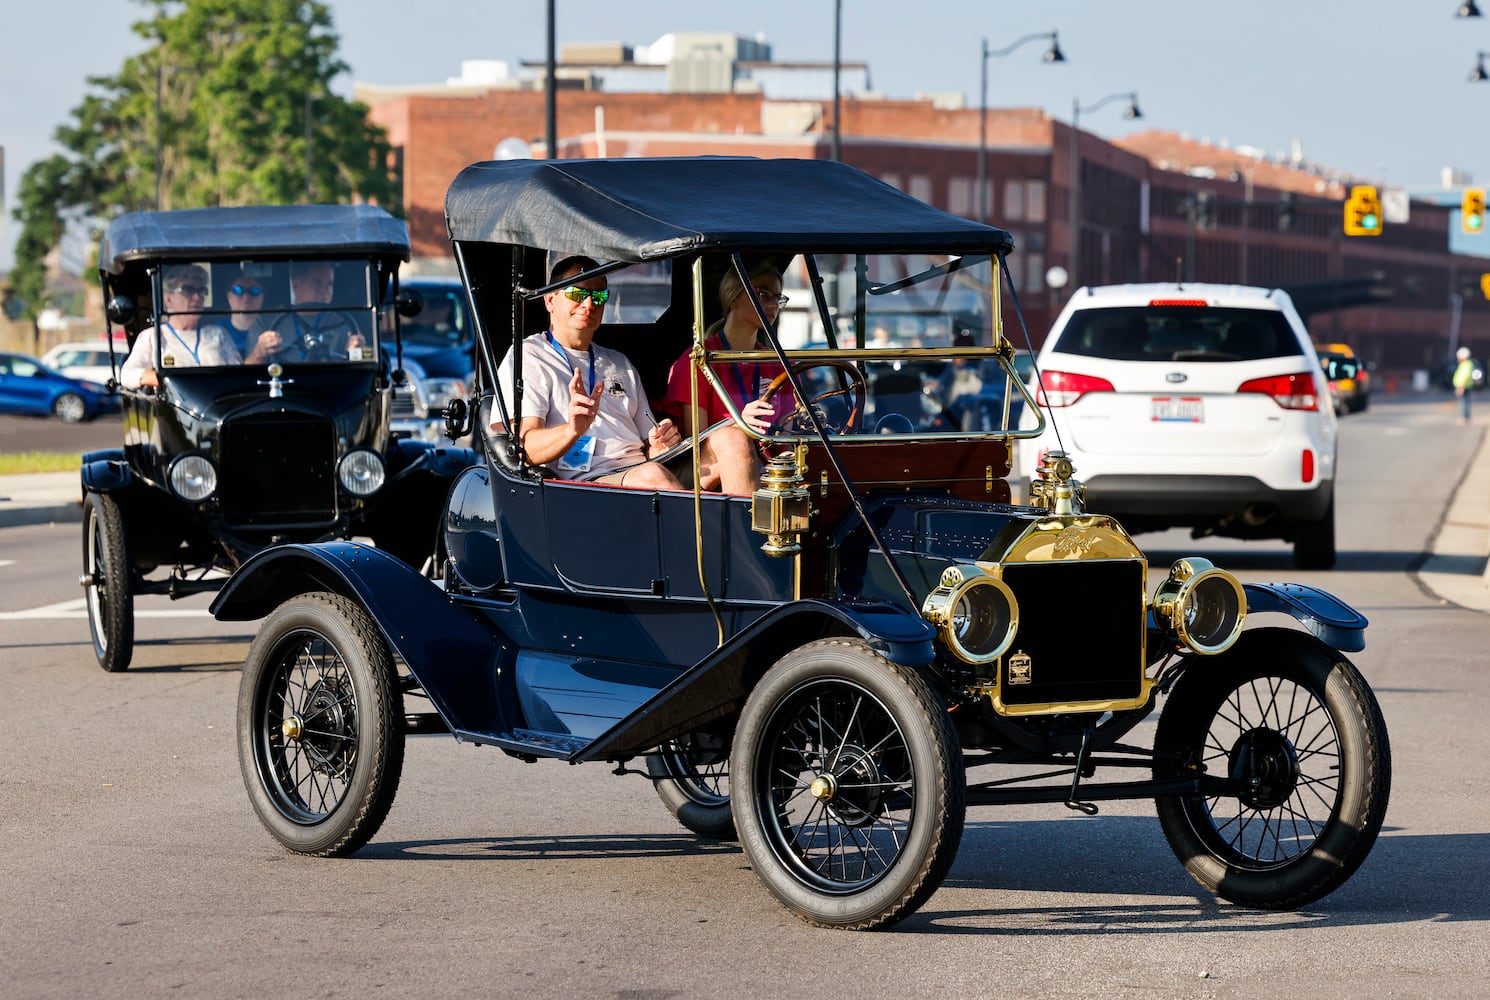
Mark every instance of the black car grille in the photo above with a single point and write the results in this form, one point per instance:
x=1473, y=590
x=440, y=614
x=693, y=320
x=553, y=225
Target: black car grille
x=1082, y=626
x=278, y=471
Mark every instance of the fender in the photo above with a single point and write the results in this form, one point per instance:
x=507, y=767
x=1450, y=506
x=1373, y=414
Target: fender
x=454, y=654
x=106, y=471
x=407, y=456
x=720, y=682
x=1336, y=623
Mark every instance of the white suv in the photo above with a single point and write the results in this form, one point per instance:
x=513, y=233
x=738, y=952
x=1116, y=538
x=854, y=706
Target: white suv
x=1190, y=405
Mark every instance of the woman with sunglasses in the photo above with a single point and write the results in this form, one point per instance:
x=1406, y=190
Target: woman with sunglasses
x=184, y=342
x=584, y=410
x=727, y=457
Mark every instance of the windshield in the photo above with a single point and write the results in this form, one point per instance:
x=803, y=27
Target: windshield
x=443, y=321
x=217, y=313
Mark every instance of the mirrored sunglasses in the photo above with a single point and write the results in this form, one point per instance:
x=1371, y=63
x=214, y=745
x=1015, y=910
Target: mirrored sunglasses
x=574, y=293
x=246, y=290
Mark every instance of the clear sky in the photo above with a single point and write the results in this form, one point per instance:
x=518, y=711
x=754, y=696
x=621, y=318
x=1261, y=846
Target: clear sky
x=1377, y=88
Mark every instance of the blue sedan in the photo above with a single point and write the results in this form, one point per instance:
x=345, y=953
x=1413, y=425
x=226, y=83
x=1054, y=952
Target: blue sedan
x=28, y=386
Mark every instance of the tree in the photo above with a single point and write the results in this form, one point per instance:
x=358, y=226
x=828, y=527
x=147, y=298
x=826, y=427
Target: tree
x=238, y=83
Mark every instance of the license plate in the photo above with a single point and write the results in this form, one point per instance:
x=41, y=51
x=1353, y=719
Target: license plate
x=1178, y=409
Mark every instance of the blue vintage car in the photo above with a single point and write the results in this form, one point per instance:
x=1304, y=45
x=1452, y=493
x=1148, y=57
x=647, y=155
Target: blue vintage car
x=833, y=667
x=27, y=386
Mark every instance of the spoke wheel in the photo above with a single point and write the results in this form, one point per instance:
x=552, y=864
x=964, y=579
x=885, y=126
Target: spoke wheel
x=106, y=583
x=691, y=775
x=320, y=737
x=1294, y=727
x=848, y=789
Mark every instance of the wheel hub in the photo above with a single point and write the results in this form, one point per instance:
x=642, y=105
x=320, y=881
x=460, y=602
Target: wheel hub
x=325, y=728
x=852, y=789
x=293, y=727
x=1265, y=768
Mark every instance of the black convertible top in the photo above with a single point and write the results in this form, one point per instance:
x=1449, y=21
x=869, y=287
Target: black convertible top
x=649, y=208
x=250, y=231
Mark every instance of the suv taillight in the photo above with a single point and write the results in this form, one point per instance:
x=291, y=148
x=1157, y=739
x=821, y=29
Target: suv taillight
x=1292, y=392
x=1065, y=388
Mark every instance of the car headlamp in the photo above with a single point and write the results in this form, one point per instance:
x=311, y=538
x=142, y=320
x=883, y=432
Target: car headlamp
x=1202, y=606
x=361, y=472
x=975, y=612
x=440, y=391
x=193, y=478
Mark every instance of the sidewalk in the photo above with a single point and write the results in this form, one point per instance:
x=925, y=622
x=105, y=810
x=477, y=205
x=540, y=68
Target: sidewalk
x=1456, y=568
x=40, y=498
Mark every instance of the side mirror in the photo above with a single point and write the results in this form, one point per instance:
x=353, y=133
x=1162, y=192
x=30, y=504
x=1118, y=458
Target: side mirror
x=120, y=310
x=409, y=303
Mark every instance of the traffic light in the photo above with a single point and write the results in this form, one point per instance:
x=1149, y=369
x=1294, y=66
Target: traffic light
x=1363, y=212
x=1287, y=211
x=1472, y=211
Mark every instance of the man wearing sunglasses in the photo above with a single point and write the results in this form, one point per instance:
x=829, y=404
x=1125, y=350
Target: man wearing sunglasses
x=246, y=300
x=184, y=342
x=584, y=410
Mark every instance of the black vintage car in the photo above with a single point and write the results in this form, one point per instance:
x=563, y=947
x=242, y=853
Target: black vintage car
x=835, y=667
x=221, y=460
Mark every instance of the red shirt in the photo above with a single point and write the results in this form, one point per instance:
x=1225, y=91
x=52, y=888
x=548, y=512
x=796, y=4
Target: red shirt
x=743, y=380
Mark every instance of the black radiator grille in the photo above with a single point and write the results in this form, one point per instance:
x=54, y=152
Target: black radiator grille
x=1082, y=626
x=278, y=471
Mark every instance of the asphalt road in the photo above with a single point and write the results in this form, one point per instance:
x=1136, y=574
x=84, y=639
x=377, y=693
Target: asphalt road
x=134, y=865
x=18, y=434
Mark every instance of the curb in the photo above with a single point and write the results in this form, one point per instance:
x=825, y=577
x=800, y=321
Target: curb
x=68, y=513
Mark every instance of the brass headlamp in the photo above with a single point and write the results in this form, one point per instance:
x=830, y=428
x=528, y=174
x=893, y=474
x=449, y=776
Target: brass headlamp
x=1202, y=606
x=975, y=611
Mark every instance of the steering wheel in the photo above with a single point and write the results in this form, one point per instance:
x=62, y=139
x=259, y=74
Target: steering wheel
x=315, y=342
x=851, y=425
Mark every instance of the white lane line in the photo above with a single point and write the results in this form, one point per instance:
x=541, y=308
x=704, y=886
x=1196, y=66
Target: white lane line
x=79, y=609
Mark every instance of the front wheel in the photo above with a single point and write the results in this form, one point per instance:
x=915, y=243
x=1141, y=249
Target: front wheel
x=320, y=730
x=848, y=785
x=1294, y=727
x=106, y=583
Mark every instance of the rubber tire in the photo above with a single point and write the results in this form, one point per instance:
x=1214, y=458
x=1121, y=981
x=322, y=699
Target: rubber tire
x=70, y=408
x=692, y=798
x=111, y=604
x=375, y=728
x=934, y=828
x=1289, y=663
x=1314, y=542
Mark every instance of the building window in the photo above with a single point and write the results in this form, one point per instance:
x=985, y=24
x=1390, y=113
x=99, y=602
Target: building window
x=1014, y=201
x=893, y=180
x=960, y=197
x=1034, y=201
x=920, y=188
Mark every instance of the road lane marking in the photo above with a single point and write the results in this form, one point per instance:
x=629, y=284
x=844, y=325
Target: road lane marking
x=79, y=609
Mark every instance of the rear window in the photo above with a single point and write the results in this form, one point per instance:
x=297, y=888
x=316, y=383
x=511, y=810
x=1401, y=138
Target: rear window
x=1179, y=333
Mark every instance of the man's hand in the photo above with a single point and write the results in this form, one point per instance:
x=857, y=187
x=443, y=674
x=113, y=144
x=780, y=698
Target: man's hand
x=662, y=437
x=269, y=341
x=583, y=406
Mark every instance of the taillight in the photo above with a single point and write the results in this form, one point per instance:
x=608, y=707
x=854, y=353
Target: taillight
x=1292, y=392
x=1306, y=467
x=1065, y=388
x=1178, y=302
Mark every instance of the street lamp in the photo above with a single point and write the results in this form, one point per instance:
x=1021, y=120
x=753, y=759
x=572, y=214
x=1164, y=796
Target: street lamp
x=1131, y=113
x=1052, y=55
x=1479, y=75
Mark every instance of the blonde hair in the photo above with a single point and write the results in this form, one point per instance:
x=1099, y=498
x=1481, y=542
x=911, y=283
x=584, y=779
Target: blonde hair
x=730, y=286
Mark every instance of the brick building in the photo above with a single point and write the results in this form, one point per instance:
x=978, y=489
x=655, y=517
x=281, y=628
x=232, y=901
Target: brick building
x=1391, y=296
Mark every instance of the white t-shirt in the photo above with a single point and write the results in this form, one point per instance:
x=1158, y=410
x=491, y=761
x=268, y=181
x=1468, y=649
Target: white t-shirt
x=209, y=345
x=622, y=420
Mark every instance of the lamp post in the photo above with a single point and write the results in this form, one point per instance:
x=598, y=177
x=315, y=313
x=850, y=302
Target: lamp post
x=309, y=100
x=837, y=149
x=1131, y=113
x=1479, y=75
x=1052, y=55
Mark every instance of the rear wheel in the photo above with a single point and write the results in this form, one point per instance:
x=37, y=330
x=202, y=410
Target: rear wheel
x=1314, y=542
x=847, y=786
x=691, y=775
x=106, y=583
x=1292, y=723
x=320, y=731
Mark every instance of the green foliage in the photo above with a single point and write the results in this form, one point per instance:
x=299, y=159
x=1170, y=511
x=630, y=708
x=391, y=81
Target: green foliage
x=233, y=78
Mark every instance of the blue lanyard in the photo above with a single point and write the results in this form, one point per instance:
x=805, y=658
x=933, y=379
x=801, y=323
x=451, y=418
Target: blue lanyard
x=190, y=350
x=749, y=390
x=570, y=364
